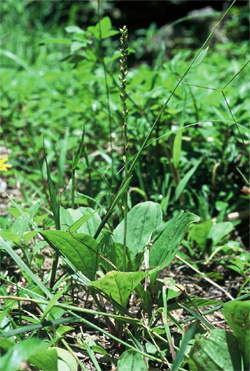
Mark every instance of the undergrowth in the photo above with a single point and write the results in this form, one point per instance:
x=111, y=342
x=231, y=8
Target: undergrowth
x=126, y=170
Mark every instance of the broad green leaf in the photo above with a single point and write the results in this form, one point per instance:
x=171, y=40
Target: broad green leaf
x=119, y=285
x=200, y=57
x=109, y=34
x=177, y=148
x=143, y=219
x=113, y=251
x=80, y=249
x=63, y=330
x=166, y=245
x=131, y=361
x=11, y=236
x=20, y=352
x=20, y=225
x=45, y=360
x=29, y=235
x=185, y=180
x=66, y=361
x=237, y=315
x=218, y=351
x=7, y=343
x=74, y=29
x=84, y=220
x=104, y=25
x=220, y=230
x=76, y=46
x=33, y=209
x=146, y=299
x=199, y=233
x=15, y=212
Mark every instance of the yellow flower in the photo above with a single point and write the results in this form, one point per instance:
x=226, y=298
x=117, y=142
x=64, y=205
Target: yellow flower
x=3, y=166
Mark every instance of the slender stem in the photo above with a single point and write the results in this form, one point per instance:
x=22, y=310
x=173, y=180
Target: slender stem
x=205, y=277
x=124, y=95
x=108, y=100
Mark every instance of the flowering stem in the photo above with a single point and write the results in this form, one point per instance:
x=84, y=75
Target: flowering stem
x=124, y=95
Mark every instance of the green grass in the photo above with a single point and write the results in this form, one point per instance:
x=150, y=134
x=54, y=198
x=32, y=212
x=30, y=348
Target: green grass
x=188, y=134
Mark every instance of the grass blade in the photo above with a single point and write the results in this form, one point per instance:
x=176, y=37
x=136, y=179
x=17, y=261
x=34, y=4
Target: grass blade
x=192, y=330
x=185, y=180
x=24, y=267
x=53, y=198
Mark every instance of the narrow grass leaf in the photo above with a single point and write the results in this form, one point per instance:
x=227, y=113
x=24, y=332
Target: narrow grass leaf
x=40, y=325
x=91, y=355
x=55, y=41
x=177, y=148
x=198, y=316
x=165, y=322
x=52, y=302
x=185, y=179
x=201, y=55
x=192, y=330
x=243, y=176
x=62, y=155
x=53, y=198
x=24, y=267
x=79, y=150
x=18, y=61
x=80, y=222
x=60, y=321
x=84, y=220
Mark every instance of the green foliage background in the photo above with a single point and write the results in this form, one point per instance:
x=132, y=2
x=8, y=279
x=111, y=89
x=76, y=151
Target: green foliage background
x=62, y=126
